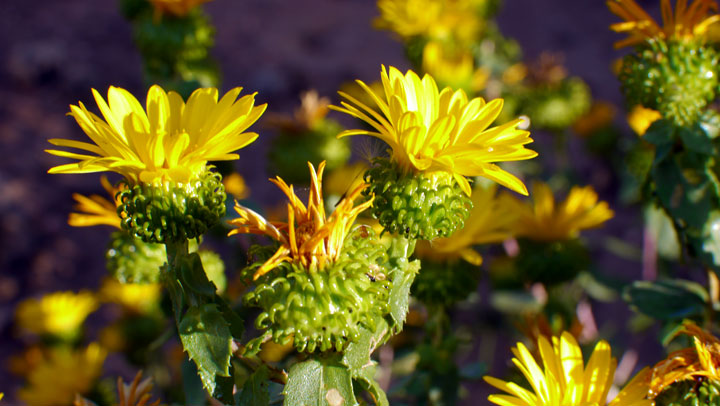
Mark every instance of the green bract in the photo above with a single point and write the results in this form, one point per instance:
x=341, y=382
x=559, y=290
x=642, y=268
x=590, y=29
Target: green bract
x=699, y=392
x=173, y=211
x=324, y=309
x=445, y=283
x=131, y=260
x=679, y=79
x=422, y=205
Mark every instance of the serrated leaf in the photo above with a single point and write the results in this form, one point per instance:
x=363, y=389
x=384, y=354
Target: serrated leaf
x=667, y=299
x=206, y=337
x=368, y=382
x=235, y=322
x=695, y=139
x=192, y=384
x=256, y=391
x=686, y=190
x=399, y=298
x=319, y=382
x=660, y=132
x=357, y=358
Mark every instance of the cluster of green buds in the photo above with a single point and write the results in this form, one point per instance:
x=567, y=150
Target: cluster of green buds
x=174, y=39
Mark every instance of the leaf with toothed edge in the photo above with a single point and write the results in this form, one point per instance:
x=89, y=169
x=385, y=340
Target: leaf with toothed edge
x=319, y=382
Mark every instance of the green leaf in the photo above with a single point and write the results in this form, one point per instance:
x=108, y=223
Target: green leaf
x=192, y=385
x=368, y=382
x=660, y=132
x=695, y=139
x=399, y=298
x=235, y=322
x=193, y=276
x=667, y=299
x=357, y=358
x=206, y=337
x=319, y=382
x=256, y=391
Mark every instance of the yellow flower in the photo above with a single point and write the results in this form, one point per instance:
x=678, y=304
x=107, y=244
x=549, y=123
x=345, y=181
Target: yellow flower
x=59, y=313
x=236, y=186
x=178, y=8
x=544, y=221
x=701, y=361
x=564, y=380
x=309, y=238
x=95, y=210
x=308, y=116
x=171, y=142
x=600, y=116
x=430, y=130
x=454, y=69
x=640, y=118
x=686, y=23
x=137, y=297
x=490, y=221
x=63, y=374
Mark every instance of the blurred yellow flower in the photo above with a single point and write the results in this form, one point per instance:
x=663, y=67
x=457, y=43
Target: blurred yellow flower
x=454, y=69
x=135, y=297
x=171, y=142
x=490, y=221
x=640, y=118
x=564, y=380
x=543, y=220
x=62, y=375
x=59, y=313
x=344, y=179
x=309, y=238
x=95, y=210
x=236, y=186
x=308, y=116
x=687, y=22
x=178, y=8
x=601, y=115
x=702, y=360
x=430, y=130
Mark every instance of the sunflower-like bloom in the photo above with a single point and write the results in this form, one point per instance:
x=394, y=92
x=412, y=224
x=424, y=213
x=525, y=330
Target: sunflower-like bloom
x=169, y=141
x=59, y=313
x=178, y=8
x=640, y=118
x=700, y=361
x=686, y=23
x=491, y=220
x=453, y=68
x=309, y=238
x=61, y=376
x=564, y=380
x=430, y=130
x=96, y=210
x=545, y=221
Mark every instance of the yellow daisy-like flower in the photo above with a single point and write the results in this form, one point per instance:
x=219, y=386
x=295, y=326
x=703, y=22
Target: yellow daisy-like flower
x=686, y=23
x=178, y=8
x=59, y=313
x=430, y=130
x=543, y=220
x=136, y=297
x=702, y=360
x=62, y=375
x=640, y=118
x=236, y=186
x=564, y=380
x=309, y=238
x=408, y=18
x=490, y=221
x=95, y=210
x=454, y=69
x=172, y=141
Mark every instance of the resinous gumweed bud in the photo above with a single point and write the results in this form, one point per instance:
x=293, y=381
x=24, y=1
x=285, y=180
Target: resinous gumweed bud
x=162, y=151
x=678, y=79
x=326, y=279
x=437, y=139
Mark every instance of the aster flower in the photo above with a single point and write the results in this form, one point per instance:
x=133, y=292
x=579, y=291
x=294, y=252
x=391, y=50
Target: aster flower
x=178, y=8
x=700, y=361
x=136, y=297
x=96, y=210
x=453, y=68
x=490, y=221
x=564, y=380
x=543, y=220
x=687, y=22
x=440, y=131
x=309, y=238
x=640, y=118
x=61, y=376
x=169, y=141
x=59, y=313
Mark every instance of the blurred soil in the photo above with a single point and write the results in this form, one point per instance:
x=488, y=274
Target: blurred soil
x=53, y=52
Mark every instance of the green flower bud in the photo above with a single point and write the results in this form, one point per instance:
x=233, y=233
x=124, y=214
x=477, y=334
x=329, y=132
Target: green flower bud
x=131, y=260
x=422, y=205
x=678, y=79
x=551, y=262
x=323, y=309
x=173, y=211
x=558, y=106
x=698, y=392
